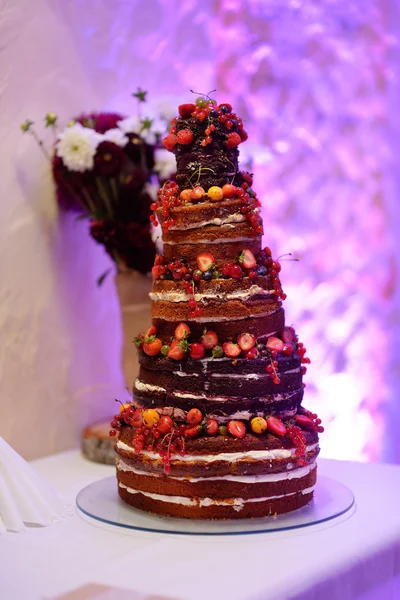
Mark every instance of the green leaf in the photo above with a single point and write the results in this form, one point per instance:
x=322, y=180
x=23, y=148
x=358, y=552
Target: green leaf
x=147, y=123
x=140, y=95
x=101, y=279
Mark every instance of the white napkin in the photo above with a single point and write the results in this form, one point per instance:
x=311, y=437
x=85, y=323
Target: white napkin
x=24, y=498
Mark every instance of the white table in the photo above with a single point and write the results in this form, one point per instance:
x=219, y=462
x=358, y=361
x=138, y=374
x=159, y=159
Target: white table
x=356, y=556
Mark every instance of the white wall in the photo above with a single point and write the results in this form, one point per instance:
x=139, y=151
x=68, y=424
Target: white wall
x=60, y=335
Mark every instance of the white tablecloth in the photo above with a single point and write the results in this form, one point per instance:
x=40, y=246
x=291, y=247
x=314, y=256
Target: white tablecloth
x=357, y=556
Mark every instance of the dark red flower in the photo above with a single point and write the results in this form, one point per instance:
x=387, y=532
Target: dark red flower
x=108, y=159
x=101, y=122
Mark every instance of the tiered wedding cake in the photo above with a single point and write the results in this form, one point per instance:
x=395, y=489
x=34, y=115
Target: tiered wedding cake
x=216, y=429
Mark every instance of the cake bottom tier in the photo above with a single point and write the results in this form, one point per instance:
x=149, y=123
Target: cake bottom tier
x=210, y=484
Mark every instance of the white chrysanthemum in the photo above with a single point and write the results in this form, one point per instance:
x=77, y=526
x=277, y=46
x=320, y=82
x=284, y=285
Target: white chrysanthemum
x=116, y=136
x=130, y=125
x=165, y=163
x=77, y=147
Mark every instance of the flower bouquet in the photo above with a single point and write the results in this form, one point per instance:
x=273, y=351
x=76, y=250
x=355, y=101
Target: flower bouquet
x=105, y=167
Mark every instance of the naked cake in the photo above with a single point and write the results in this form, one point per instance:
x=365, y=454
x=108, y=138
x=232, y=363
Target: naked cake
x=216, y=429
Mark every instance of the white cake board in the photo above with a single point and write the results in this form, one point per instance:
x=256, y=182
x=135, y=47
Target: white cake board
x=100, y=502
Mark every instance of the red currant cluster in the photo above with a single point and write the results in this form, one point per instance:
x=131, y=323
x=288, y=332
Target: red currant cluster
x=168, y=197
x=295, y=434
x=309, y=420
x=273, y=268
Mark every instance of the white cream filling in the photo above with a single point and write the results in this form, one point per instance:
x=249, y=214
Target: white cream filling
x=147, y=387
x=250, y=479
x=234, y=218
x=280, y=453
x=250, y=375
x=271, y=398
x=221, y=319
x=218, y=241
x=235, y=503
x=253, y=290
x=182, y=374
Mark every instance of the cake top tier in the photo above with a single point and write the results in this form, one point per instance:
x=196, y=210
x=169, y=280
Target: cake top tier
x=205, y=139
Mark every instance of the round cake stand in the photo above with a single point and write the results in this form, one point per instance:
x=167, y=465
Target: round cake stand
x=100, y=501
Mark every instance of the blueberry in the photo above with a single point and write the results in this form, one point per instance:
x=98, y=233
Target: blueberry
x=214, y=113
x=207, y=276
x=261, y=270
x=224, y=109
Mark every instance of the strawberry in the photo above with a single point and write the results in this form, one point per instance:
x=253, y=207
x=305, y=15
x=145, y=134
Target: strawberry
x=247, y=259
x=194, y=416
x=237, y=429
x=211, y=427
x=159, y=260
x=275, y=343
x=169, y=142
x=231, y=350
x=236, y=272
x=229, y=190
x=136, y=419
x=288, y=335
x=157, y=271
x=243, y=135
x=152, y=346
x=209, y=340
x=288, y=349
x=182, y=331
x=165, y=424
x=247, y=178
x=185, y=136
x=152, y=330
x=177, y=350
x=252, y=353
x=205, y=261
x=197, y=351
x=246, y=341
x=233, y=140
x=305, y=422
x=276, y=426
x=192, y=432
x=185, y=110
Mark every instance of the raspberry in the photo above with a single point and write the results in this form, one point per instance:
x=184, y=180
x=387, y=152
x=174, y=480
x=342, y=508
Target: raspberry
x=185, y=110
x=169, y=142
x=233, y=140
x=185, y=136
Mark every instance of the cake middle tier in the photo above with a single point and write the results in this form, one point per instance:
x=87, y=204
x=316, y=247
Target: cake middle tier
x=222, y=386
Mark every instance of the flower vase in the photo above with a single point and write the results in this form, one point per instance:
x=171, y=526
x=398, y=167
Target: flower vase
x=135, y=306
x=133, y=292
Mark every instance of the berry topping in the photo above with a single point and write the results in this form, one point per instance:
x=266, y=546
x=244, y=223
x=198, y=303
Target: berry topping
x=194, y=416
x=211, y=427
x=169, y=142
x=229, y=190
x=185, y=110
x=233, y=140
x=198, y=193
x=305, y=422
x=197, y=351
x=177, y=351
x=192, y=432
x=201, y=102
x=225, y=108
x=236, y=272
x=150, y=418
x=288, y=335
x=215, y=193
x=247, y=259
x=246, y=341
x=124, y=406
x=186, y=195
x=253, y=353
x=209, y=340
x=276, y=426
x=152, y=330
x=275, y=343
x=152, y=346
x=243, y=135
x=205, y=261
x=185, y=136
x=182, y=331
x=237, y=429
x=231, y=350
x=165, y=424
x=258, y=425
